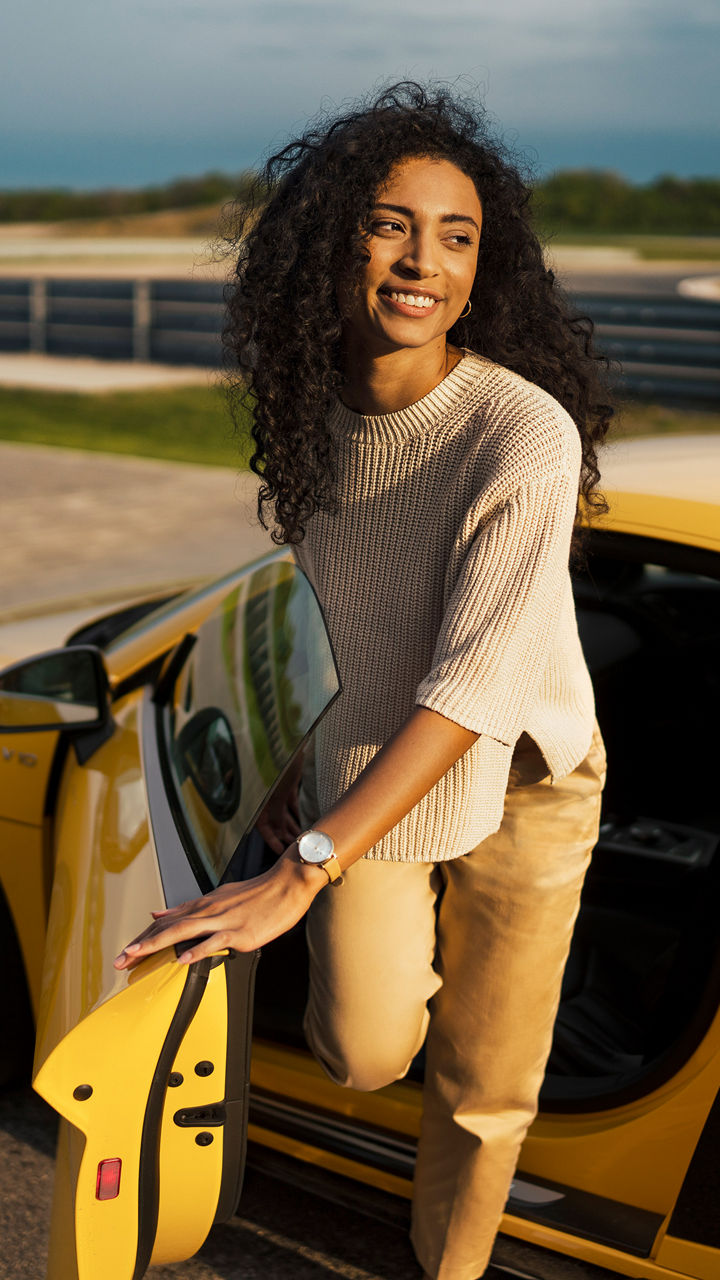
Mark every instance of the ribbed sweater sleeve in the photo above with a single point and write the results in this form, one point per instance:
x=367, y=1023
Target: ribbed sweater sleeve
x=500, y=623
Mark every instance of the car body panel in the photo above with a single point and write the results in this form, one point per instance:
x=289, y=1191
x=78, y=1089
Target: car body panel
x=683, y=1257
x=104, y=856
x=677, y=520
x=664, y=487
x=638, y=1153
x=106, y=1232
x=25, y=761
x=683, y=467
x=24, y=879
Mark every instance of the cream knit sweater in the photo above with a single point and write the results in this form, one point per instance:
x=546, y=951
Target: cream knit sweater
x=444, y=581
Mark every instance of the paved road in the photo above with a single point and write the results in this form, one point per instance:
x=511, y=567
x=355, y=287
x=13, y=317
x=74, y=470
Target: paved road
x=83, y=373
x=654, y=279
x=281, y=1233
x=80, y=530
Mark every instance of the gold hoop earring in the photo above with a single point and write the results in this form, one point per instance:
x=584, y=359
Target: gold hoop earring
x=466, y=313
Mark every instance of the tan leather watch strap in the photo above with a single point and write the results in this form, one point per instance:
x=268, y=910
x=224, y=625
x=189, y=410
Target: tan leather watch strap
x=334, y=870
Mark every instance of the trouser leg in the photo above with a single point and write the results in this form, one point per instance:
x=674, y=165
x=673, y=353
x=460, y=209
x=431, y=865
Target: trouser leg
x=504, y=929
x=371, y=944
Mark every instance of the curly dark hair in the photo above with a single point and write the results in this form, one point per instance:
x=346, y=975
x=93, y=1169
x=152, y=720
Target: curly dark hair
x=304, y=231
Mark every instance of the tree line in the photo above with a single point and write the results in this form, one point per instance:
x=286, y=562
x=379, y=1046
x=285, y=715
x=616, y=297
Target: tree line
x=568, y=201
x=58, y=204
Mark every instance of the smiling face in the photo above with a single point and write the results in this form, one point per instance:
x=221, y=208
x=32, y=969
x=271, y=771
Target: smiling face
x=422, y=242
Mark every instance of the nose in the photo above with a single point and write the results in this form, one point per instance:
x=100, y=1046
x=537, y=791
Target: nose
x=418, y=260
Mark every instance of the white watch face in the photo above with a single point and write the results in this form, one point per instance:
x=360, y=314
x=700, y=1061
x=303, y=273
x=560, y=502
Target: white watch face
x=315, y=846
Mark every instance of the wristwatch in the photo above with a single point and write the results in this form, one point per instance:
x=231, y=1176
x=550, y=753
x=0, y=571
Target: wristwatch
x=316, y=849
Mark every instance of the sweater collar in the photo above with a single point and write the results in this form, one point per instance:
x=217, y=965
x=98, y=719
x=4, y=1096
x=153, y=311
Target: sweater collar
x=418, y=418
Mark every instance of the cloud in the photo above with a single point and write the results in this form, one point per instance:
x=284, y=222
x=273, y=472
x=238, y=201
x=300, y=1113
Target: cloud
x=181, y=70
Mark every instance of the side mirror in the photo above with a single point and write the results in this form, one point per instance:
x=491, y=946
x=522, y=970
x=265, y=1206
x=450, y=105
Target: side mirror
x=61, y=689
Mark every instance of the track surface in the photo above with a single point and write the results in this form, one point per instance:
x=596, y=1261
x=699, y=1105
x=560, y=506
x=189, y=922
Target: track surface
x=282, y=1231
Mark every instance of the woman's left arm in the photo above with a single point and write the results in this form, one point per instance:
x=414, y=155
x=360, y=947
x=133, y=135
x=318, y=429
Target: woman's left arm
x=246, y=915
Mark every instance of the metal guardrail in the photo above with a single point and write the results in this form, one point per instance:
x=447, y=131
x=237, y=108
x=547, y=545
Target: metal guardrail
x=668, y=348
x=173, y=321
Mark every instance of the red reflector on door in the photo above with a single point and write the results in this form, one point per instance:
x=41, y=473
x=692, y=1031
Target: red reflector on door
x=108, y=1179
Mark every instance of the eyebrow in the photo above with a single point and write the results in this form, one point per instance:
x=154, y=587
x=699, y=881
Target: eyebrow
x=445, y=217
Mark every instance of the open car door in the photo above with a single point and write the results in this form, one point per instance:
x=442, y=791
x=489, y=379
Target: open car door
x=149, y=1069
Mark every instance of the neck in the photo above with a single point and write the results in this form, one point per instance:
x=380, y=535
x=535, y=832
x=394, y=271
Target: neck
x=377, y=383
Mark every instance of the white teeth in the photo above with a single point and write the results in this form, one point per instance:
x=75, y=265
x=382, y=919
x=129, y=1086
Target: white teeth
x=412, y=299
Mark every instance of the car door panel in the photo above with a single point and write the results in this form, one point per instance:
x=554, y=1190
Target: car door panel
x=150, y=1067
x=122, y=1033
x=107, y=1106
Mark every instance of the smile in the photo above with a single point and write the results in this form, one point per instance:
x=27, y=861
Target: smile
x=409, y=303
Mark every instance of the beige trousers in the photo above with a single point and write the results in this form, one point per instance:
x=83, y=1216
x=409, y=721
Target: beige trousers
x=470, y=955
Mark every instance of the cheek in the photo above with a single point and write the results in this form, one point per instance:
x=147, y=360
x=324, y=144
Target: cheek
x=465, y=279
x=352, y=287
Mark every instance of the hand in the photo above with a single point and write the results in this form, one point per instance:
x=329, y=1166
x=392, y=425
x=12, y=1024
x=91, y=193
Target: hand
x=279, y=822
x=242, y=916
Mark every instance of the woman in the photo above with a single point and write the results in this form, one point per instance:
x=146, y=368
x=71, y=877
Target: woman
x=425, y=414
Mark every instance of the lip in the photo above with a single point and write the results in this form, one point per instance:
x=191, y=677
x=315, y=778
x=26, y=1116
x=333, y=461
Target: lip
x=402, y=308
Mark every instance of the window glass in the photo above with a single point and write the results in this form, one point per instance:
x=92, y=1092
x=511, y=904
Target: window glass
x=256, y=681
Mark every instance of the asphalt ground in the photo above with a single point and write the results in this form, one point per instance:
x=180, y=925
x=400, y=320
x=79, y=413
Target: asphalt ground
x=282, y=1231
x=81, y=531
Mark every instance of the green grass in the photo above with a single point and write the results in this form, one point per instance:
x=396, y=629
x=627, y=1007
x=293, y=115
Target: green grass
x=192, y=424
x=187, y=424
x=657, y=420
x=652, y=248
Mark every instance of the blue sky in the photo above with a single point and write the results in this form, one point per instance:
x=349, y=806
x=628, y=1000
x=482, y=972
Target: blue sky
x=126, y=92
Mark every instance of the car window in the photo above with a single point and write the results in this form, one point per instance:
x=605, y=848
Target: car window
x=257, y=678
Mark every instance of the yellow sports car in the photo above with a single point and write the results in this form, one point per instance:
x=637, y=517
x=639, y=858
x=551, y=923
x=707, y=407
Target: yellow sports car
x=133, y=764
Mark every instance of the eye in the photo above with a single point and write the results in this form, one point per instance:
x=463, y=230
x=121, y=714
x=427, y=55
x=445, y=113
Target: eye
x=385, y=226
x=460, y=238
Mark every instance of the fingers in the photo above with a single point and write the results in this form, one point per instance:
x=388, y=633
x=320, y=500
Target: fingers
x=240, y=916
x=292, y=824
x=190, y=920
x=217, y=940
x=151, y=942
x=280, y=830
x=169, y=925
x=210, y=947
x=271, y=839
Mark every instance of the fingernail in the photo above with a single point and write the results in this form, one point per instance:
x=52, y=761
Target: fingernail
x=119, y=959
x=185, y=957
x=134, y=946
